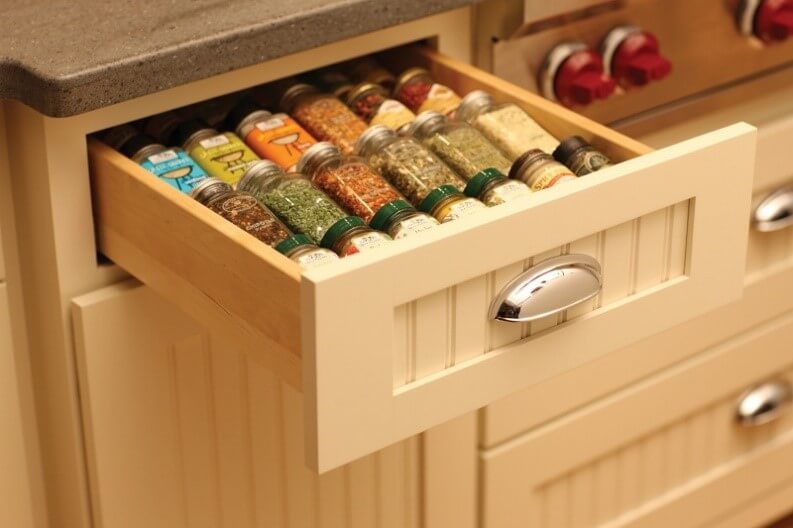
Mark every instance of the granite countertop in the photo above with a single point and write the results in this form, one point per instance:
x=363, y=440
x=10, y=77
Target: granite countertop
x=68, y=57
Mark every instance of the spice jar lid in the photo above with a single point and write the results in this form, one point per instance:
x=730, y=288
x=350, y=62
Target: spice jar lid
x=527, y=159
x=408, y=75
x=243, y=116
x=137, y=142
x=315, y=155
x=372, y=139
x=292, y=242
x=117, y=136
x=293, y=92
x=188, y=129
x=383, y=216
x=207, y=188
x=481, y=179
x=256, y=168
x=162, y=127
x=568, y=147
x=338, y=229
x=363, y=89
x=472, y=105
x=425, y=122
x=436, y=196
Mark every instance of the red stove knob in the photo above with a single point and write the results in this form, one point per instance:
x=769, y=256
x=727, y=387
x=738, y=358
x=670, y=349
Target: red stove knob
x=633, y=57
x=768, y=20
x=573, y=75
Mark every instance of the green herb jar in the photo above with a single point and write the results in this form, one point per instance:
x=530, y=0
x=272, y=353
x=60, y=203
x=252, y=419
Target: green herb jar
x=460, y=145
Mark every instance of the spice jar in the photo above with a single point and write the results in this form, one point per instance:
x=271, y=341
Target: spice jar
x=506, y=125
x=323, y=116
x=241, y=209
x=460, y=145
x=371, y=103
x=332, y=81
x=405, y=162
x=302, y=250
x=416, y=88
x=275, y=137
x=580, y=156
x=117, y=136
x=493, y=188
x=369, y=70
x=352, y=236
x=400, y=219
x=162, y=127
x=539, y=170
x=349, y=180
x=446, y=203
x=171, y=165
x=223, y=156
x=296, y=201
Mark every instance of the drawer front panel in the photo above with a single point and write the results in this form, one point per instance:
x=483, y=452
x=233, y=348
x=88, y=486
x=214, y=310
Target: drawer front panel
x=382, y=353
x=651, y=449
x=184, y=431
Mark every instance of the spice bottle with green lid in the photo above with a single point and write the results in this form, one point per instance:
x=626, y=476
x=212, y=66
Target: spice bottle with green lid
x=275, y=137
x=405, y=162
x=493, y=188
x=417, y=89
x=302, y=250
x=580, y=156
x=446, y=203
x=506, y=125
x=296, y=201
x=539, y=170
x=323, y=115
x=171, y=165
x=352, y=236
x=400, y=219
x=372, y=104
x=224, y=156
x=458, y=144
x=349, y=180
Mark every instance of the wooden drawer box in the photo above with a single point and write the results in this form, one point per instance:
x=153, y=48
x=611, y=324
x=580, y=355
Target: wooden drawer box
x=668, y=451
x=388, y=344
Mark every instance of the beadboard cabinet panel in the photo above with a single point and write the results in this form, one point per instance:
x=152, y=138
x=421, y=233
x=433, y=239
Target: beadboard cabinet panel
x=183, y=430
x=658, y=453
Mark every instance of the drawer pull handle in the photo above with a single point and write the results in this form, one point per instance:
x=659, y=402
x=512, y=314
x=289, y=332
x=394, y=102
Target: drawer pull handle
x=775, y=211
x=547, y=288
x=764, y=403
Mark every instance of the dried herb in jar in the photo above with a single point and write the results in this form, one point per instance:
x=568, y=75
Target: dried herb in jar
x=416, y=88
x=296, y=201
x=371, y=103
x=461, y=146
x=539, y=170
x=349, y=180
x=410, y=167
x=506, y=125
x=323, y=116
x=580, y=156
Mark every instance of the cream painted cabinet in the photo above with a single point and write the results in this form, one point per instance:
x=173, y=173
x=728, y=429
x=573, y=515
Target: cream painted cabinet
x=184, y=430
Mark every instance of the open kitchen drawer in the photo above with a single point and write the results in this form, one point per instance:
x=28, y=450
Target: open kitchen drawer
x=387, y=344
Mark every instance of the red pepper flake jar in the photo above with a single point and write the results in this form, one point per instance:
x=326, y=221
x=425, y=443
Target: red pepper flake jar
x=372, y=104
x=275, y=137
x=416, y=88
x=349, y=180
x=324, y=116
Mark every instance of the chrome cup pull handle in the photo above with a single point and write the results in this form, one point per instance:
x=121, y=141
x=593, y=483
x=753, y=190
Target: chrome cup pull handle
x=775, y=211
x=547, y=288
x=764, y=403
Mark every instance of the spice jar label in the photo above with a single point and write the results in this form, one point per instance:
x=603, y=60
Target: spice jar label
x=214, y=141
x=245, y=212
x=226, y=160
x=509, y=190
x=413, y=225
x=441, y=99
x=365, y=242
x=589, y=162
x=461, y=209
x=175, y=168
x=280, y=139
x=552, y=176
x=313, y=259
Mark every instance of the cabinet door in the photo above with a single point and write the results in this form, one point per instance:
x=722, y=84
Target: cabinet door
x=15, y=483
x=182, y=430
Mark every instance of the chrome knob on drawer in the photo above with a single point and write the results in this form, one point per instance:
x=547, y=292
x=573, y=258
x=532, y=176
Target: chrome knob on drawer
x=547, y=288
x=765, y=403
x=775, y=211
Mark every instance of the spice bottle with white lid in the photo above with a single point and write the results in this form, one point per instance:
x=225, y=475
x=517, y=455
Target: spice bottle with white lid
x=507, y=125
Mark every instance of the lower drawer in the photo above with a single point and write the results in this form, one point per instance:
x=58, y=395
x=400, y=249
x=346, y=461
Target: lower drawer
x=669, y=451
